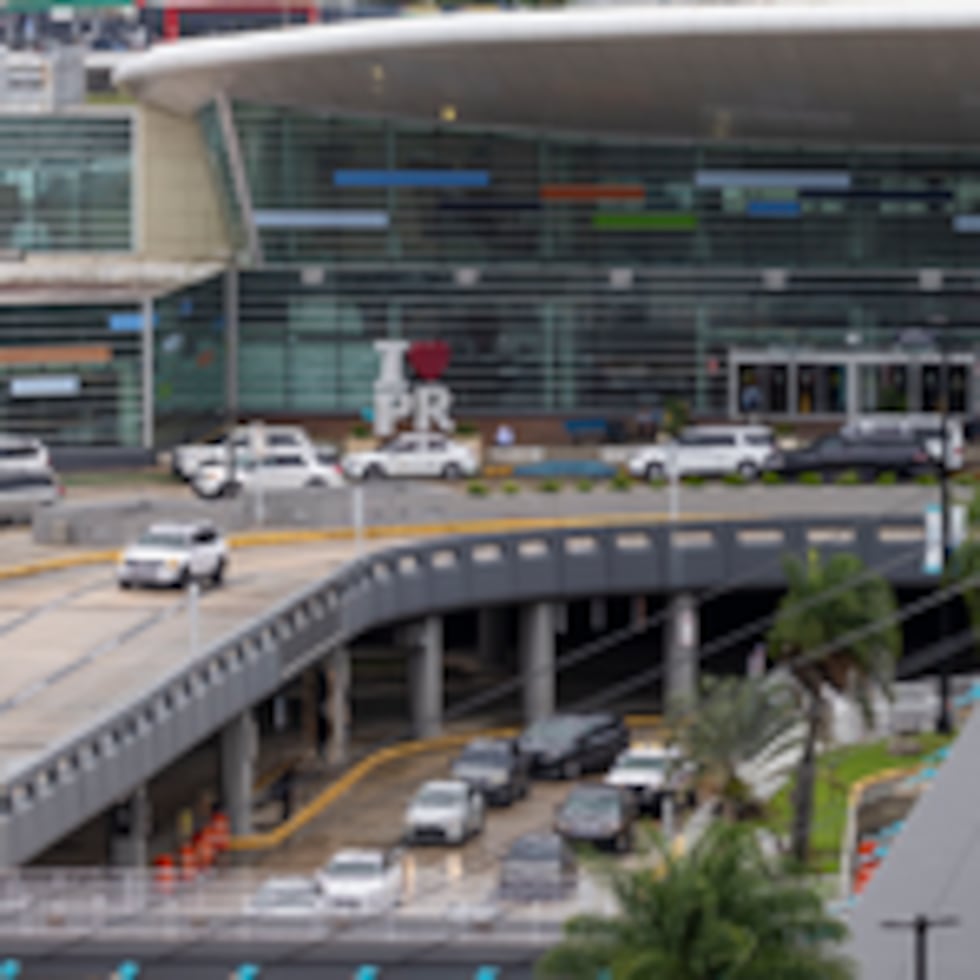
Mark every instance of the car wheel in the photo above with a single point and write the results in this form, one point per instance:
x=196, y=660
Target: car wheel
x=374, y=472
x=451, y=472
x=123, y=584
x=655, y=471
x=218, y=576
x=316, y=481
x=748, y=470
x=571, y=769
x=184, y=579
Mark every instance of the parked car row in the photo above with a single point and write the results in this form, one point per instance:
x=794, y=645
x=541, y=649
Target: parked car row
x=908, y=446
x=282, y=457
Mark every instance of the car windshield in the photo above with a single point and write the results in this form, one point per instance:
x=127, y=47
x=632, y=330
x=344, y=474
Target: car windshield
x=439, y=796
x=554, y=731
x=172, y=540
x=643, y=763
x=353, y=868
x=278, y=894
x=591, y=804
x=489, y=757
x=535, y=849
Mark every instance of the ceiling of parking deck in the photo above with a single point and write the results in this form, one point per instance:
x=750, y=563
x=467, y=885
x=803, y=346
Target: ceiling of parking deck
x=835, y=73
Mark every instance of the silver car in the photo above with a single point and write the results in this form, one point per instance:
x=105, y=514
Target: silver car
x=22, y=492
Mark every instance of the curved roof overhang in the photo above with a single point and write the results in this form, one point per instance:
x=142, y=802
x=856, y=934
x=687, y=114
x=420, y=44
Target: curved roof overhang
x=888, y=73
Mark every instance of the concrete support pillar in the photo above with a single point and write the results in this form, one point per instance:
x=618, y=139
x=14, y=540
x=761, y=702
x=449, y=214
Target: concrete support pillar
x=239, y=752
x=491, y=635
x=129, y=831
x=425, y=676
x=537, y=650
x=682, y=645
x=337, y=706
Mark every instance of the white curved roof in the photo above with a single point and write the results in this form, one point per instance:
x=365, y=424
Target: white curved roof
x=893, y=73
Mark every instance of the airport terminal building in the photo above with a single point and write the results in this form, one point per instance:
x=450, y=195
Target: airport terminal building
x=759, y=210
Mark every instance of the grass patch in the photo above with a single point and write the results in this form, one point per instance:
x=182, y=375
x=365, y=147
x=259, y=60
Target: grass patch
x=510, y=488
x=734, y=480
x=811, y=479
x=887, y=479
x=584, y=486
x=549, y=486
x=658, y=483
x=837, y=771
x=621, y=482
x=849, y=478
x=693, y=481
x=116, y=478
x=927, y=480
x=771, y=479
x=477, y=489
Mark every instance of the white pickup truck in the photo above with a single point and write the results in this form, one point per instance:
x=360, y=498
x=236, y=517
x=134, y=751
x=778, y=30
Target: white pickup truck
x=255, y=437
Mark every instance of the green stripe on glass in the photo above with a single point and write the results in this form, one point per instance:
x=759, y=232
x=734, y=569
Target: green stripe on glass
x=644, y=221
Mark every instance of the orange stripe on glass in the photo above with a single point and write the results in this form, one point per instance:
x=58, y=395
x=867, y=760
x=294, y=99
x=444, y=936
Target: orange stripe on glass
x=593, y=192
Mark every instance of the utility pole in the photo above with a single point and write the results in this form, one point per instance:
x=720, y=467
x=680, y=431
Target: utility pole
x=944, y=722
x=920, y=926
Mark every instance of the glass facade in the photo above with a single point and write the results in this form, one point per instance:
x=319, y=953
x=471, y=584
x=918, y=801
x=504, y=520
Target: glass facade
x=65, y=183
x=576, y=276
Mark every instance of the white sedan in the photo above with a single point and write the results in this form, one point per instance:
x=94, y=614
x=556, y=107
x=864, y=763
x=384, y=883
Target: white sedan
x=445, y=811
x=413, y=454
x=359, y=881
x=282, y=470
x=174, y=555
x=288, y=897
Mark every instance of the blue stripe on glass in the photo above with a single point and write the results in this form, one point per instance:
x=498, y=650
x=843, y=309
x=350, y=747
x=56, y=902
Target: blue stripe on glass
x=486, y=973
x=720, y=179
x=773, y=209
x=128, y=322
x=967, y=224
x=411, y=178
x=368, y=973
x=356, y=220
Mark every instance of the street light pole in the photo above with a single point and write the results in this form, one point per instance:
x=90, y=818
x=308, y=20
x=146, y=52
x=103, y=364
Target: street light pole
x=920, y=926
x=944, y=722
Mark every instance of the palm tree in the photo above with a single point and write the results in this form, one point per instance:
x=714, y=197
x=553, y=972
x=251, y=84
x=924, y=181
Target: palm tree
x=720, y=912
x=735, y=721
x=835, y=627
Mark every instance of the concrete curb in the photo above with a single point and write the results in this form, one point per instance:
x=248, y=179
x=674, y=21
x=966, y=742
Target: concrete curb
x=271, y=538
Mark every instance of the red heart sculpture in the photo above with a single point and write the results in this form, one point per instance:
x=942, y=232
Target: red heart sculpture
x=429, y=358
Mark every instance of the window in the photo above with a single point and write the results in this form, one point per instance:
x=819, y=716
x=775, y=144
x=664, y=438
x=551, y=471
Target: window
x=282, y=439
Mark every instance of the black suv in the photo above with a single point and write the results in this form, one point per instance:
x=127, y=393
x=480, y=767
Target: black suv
x=598, y=815
x=495, y=767
x=568, y=745
x=867, y=454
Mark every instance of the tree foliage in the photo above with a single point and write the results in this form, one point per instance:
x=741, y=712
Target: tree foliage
x=720, y=912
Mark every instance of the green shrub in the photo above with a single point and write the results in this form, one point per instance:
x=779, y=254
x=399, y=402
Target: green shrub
x=966, y=479
x=621, y=482
x=771, y=478
x=811, y=478
x=693, y=481
x=734, y=479
x=584, y=486
x=849, y=478
x=927, y=479
x=477, y=489
x=510, y=488
x=467, y=429
x=549, y=486
x=658, y=483
x=361, y=431
x=887, y=479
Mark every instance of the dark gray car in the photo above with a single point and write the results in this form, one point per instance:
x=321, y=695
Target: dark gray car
x=598, y=814
x=495, y=767
x=538, y=867
x=868, y=456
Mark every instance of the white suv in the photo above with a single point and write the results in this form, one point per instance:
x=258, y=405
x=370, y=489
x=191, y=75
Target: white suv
x=707, y=451
x=413, y=454
x=255, y=437
x=279, y=470
x=174, y=555
x=21, y=454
